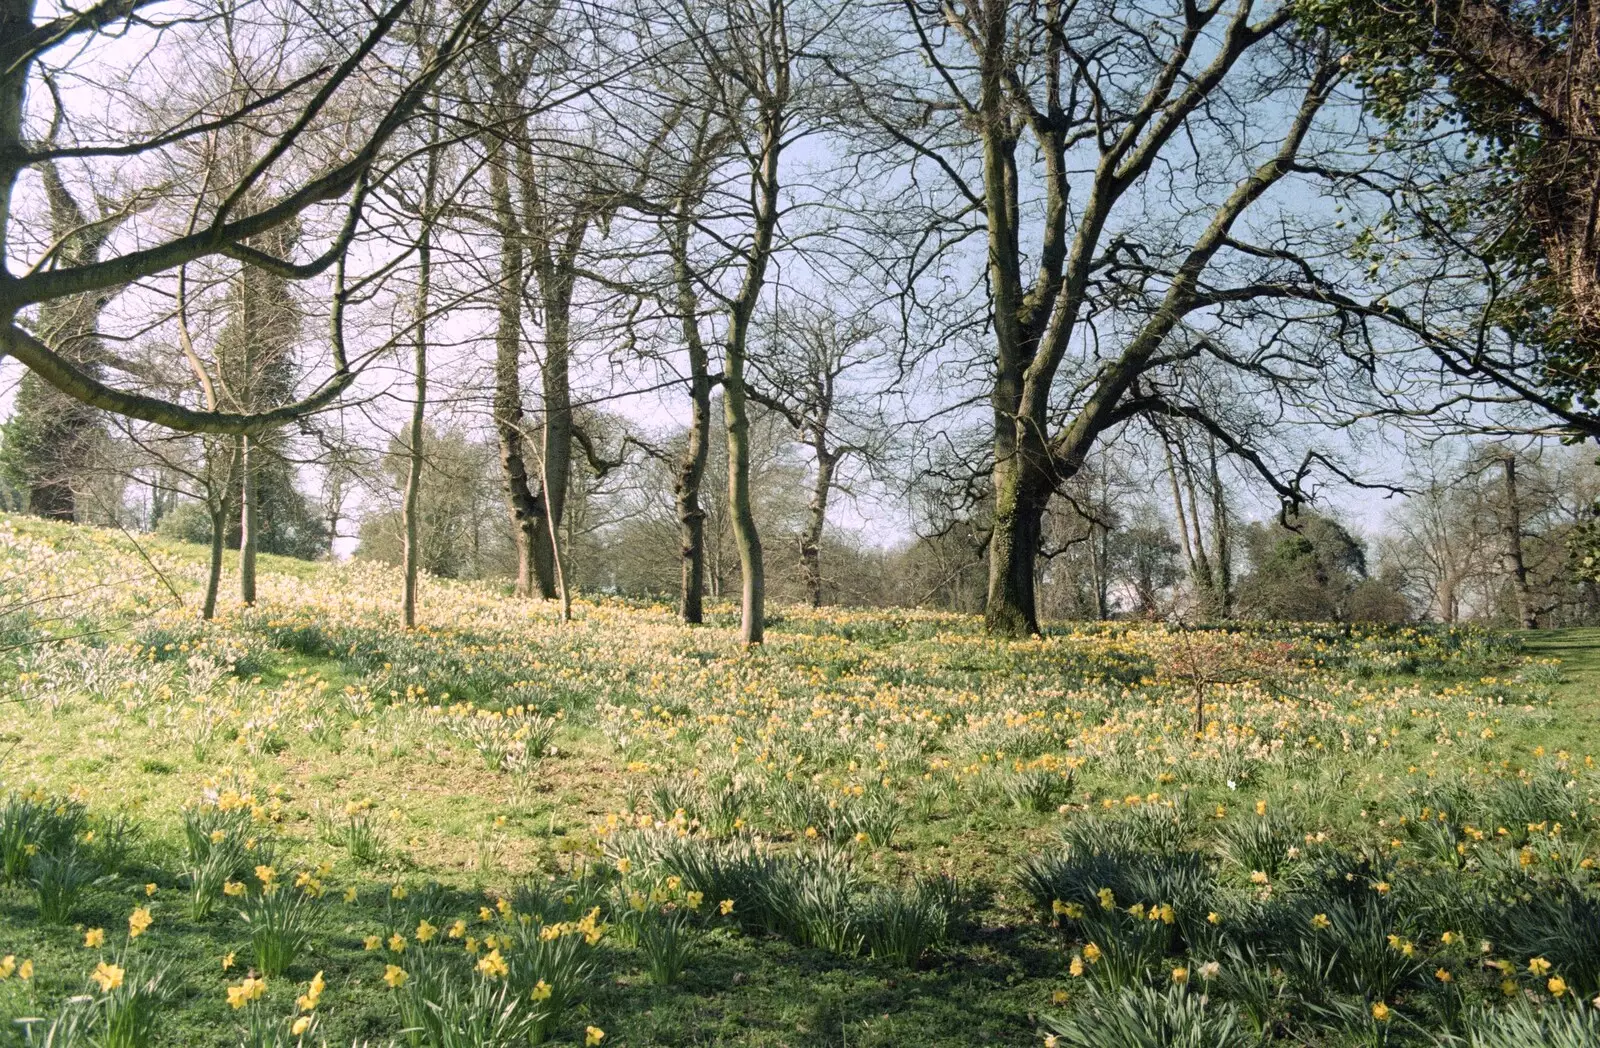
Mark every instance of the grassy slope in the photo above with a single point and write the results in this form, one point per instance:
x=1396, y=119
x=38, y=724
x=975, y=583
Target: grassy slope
x=1578, y=696
x=740, y=991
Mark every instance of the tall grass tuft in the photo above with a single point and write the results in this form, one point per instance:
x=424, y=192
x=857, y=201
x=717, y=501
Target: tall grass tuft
x=281, y=922
x=1140, y=1017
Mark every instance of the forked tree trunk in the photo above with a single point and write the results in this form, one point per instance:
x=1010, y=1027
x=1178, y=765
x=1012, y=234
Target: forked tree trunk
x=525, y=507
x=552, y=260
x=752, y=617
x=1206, y=570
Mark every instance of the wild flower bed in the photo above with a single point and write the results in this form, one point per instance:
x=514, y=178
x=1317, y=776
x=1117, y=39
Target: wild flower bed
x=302, y=824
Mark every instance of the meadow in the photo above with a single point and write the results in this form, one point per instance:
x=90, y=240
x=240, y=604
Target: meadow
x=302, y=824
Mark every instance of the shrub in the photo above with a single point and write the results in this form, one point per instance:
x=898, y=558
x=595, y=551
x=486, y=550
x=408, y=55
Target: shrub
x=797, y=806
x=1078, y=877
x=1521, y=805
x=1356, y=946
x=221, y=846
x=355, y=832
x=443, y=1006
x=1122, y=949
x=722, y=806
x=122, y=1014
x=811, y=898
x=1151, y=828
x=114, y=839
x=1561, y=923
x=875, y=816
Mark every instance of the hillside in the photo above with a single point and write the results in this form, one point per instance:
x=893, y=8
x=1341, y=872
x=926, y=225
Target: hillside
x=880, y=828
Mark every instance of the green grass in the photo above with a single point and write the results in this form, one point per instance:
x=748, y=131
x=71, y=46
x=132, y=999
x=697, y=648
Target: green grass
x=1578, y=695
x=1340, y=732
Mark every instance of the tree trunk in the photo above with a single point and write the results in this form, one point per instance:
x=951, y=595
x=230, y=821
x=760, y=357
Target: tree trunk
x=219, y=541
x=692, y=466
x=411, y=554
x=1183, y=514
x=1100, y=558
x=1222, y=555
x=1446, y=597
x=817, y=517
x=686, y=492
x=557, y=552
x=752, y=620
x=1515, y=566
x=556, y=460
x=248, y=522
x=1011, y=610
x=526, y=508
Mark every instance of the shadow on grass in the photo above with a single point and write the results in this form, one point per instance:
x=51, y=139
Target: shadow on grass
x=747, y=991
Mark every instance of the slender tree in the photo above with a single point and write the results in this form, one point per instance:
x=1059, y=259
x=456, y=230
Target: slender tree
x=821, y=376
x=412, y=501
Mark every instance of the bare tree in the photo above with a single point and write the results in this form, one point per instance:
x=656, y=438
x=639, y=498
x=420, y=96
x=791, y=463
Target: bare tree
x=285, y=111
x=1210, y=558
x=819, y=377
x=1102, y=306
x=412, y=502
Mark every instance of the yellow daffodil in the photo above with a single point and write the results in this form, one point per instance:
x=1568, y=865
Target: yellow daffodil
x=107, y=976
